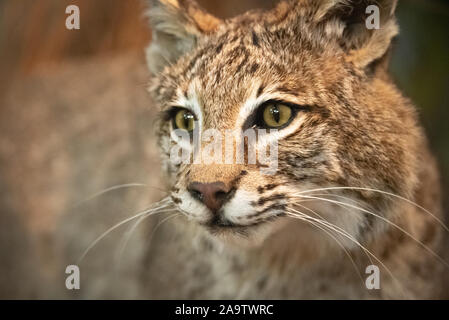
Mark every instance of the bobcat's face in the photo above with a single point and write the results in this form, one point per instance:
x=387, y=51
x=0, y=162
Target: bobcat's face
x=295, y=70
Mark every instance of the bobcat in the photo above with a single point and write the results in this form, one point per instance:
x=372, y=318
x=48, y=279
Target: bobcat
x=355, y=185
x=354, y=169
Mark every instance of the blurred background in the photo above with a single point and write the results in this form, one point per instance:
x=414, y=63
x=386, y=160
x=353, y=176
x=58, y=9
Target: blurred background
x=75, y=117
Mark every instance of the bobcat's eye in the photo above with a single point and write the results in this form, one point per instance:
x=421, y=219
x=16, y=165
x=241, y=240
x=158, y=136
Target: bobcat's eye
x=184, y=119
x=275, y=115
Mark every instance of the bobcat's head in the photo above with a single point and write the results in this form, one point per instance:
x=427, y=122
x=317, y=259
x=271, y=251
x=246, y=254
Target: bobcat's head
x=313, y=71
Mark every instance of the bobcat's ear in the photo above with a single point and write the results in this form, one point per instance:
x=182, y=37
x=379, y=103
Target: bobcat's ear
x=176, y=26
x=368, y=27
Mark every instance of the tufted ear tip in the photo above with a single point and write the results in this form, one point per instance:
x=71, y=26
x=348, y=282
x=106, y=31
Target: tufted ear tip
x=176, y=26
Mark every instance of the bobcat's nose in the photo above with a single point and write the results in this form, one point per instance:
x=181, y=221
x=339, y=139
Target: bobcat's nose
x=213, y=195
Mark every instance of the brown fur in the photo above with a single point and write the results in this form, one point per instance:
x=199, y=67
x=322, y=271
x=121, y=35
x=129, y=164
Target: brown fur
x=360, y=132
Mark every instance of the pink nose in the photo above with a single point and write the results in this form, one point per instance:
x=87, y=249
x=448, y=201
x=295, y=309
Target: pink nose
x=213, y=195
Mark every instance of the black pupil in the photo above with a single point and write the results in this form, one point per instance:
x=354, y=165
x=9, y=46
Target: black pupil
x=276, y=113
x=187, y=118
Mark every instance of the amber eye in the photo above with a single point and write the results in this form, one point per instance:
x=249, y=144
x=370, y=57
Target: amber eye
x=276, y=115
x=184, y=119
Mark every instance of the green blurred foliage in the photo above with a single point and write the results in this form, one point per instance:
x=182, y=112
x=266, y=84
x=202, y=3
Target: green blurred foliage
x=420, y=65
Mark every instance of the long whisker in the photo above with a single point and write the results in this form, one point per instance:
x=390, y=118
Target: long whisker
x=322, y=218
x=351, y=238
x=113, y=188
x=334, y=226
x=385, y=220
x=335, y=239
x=133, y=228
x=335, y=196
x=340, y=231
x=342, y=206
x=355, y=202
x=337, y=229
x=385, y=193
x=161, y=223
x=144, y=212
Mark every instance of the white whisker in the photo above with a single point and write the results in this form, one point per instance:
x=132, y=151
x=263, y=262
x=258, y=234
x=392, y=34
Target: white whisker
x=160, y=223
x=335, y=239
x=133, y=228
x=113, y=188
x=385, y=220
x=144, y=212
x=385, y=193
x=351, y=238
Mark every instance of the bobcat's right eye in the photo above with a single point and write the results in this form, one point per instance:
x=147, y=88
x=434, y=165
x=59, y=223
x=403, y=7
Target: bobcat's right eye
x=274, y=115
x=184, y=119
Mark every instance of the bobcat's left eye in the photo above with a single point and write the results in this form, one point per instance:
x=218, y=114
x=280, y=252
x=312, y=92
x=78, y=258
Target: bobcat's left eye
x=275, y=115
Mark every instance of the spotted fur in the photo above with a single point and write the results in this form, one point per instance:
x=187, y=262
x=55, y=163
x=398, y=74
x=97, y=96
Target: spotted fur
x=356, y=130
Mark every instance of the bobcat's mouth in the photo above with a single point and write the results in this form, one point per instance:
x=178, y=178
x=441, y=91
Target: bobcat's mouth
x=219, y=224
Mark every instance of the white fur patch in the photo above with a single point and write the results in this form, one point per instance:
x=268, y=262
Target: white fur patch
x=240, y=205
x=193, y=208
